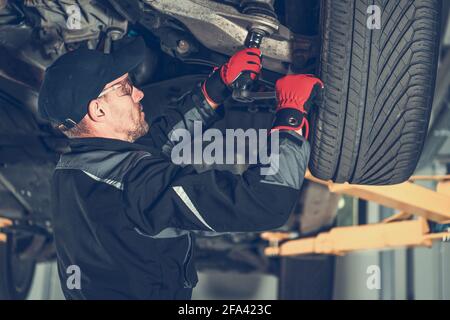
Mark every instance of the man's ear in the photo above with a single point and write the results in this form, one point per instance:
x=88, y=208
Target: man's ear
x=96, y=111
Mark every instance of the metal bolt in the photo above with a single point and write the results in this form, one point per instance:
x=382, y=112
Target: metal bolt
x=183, y=47
x=115, y=35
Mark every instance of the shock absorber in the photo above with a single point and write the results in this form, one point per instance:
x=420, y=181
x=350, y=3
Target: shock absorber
x=264, y=10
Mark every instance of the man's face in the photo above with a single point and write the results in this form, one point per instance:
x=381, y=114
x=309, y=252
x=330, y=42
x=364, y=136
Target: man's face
x=125, y=112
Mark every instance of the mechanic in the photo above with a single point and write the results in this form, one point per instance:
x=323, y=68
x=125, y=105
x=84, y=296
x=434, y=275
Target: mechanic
x=123, y=214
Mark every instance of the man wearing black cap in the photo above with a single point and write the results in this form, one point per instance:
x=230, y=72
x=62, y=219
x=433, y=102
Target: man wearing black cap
x=123, y=214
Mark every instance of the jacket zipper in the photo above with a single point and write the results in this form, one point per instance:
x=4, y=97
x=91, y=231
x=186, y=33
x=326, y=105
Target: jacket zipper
x=187, y=259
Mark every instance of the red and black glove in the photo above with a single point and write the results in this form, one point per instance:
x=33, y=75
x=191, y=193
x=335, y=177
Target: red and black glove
x=295, y=95
x=217, y=87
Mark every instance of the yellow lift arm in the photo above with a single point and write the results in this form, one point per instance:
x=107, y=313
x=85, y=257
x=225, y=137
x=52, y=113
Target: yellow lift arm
x=409, y=198
x=3, y=224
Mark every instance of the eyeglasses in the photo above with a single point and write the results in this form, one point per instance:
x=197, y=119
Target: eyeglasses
x=126, y=88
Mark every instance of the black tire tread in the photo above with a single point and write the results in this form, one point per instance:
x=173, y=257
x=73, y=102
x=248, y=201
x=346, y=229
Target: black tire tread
x=372, y=122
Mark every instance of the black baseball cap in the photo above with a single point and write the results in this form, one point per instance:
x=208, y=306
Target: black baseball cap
x=79, y=76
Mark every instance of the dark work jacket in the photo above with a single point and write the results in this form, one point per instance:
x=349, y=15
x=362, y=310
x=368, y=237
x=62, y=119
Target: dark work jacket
x=124, y=215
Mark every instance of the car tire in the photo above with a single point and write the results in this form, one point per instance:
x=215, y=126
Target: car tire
x=16, y=273
x=372, y=119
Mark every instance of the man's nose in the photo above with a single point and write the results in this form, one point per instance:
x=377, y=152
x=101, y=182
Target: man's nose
x=138, y=95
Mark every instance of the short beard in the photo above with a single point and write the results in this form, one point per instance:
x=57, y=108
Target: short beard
x=140, y=131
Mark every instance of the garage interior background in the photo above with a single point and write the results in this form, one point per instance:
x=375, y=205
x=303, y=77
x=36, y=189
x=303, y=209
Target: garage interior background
x=415, y=273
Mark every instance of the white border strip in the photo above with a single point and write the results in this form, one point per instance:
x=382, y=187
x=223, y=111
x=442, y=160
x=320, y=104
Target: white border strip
x=187, y=201
x=115, y=184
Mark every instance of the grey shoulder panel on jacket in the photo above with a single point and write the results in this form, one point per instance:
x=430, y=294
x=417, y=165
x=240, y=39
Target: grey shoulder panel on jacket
x=102, y=165
x=292, y=162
